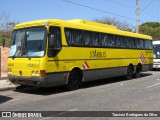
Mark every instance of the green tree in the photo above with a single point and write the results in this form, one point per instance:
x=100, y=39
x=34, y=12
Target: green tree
x=150, y=28
x=6, y=28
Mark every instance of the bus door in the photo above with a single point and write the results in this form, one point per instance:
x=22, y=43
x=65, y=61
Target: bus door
x=54, y=48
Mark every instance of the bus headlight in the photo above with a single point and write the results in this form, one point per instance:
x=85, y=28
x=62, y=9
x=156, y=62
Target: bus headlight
x=37, y=73
x=33, y=73
x=9, y=71
x=41, y=73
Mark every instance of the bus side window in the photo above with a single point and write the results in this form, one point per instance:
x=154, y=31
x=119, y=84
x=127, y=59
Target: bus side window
x=54, y=43
x=77, y=37
x=87, y=38
x=95, y=39
x=123, y=42
x=104, y=38
x=118, y=41
x=141, y=43
x=128, y=41
x=111, y=41
x=73, y=37
x=138, y=43
x=148, y=44
x=133, y=43
x=68, y=36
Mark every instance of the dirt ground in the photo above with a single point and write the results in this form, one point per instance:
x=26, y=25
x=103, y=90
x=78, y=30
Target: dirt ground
x=4, y=57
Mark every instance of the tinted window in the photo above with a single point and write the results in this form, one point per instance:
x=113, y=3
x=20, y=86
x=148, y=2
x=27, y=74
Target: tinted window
x=104, y=39
x=148, y=44
x=118, y=41
x=111, y=41
x=128, y=42
x=87, y=38
x=74, y=37
x=54, y=44
x=133, y=43
x=95, y=39
x=123, y=42
x=138, y=43
x=141, y=43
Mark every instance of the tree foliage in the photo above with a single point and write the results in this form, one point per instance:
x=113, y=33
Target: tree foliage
x=122, y=25
x=150, y=28
x=6, y=28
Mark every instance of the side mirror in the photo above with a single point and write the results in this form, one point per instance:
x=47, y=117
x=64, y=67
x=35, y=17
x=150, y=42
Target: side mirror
x=3, y=41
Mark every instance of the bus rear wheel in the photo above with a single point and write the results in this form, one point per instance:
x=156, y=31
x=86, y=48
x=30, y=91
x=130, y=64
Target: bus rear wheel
x=129, y=72
x=138, y=71
x=74, y=80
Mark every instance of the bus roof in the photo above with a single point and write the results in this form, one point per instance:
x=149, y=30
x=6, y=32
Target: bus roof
x=82, y=24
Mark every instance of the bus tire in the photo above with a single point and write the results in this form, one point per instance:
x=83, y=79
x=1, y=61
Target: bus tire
x=74, y=80
x=21, y=87
x=129, y=74
x=138, y=71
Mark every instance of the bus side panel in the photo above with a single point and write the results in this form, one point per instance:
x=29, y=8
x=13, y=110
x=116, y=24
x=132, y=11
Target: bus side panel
x=103, y=73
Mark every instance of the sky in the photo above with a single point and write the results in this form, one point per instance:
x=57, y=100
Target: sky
x=124, y=10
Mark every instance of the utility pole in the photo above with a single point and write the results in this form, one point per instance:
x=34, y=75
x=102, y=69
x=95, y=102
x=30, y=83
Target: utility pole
x=137, y=15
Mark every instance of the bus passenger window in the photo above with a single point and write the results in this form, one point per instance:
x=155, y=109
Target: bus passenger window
x=133, y=44
x=128, y=41
x=138, y=43
x=87, y=39
x=150, y=44
x=141, y=44
x=123, y=42
x=77, y=38
x=146, y=44
x=104, y=38
x=111, y=41
x=68, y=36
x=73, y=36
x=95, y=39
x=118, y=41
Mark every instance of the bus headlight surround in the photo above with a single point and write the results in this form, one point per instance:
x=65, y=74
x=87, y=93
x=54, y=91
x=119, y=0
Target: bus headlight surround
x=9, y=71
x=33, y=73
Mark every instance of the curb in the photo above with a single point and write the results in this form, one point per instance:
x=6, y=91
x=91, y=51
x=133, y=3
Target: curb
x=8, y=88
x=6, y=85
x=3, y=78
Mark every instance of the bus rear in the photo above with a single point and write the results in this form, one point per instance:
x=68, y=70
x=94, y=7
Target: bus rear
x=156, y=48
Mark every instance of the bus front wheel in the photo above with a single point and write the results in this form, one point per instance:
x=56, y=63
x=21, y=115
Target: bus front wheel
x=73, y=80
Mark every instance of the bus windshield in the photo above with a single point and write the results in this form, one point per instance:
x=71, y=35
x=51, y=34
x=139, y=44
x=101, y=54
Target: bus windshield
x=156, y=49
x=29, y=42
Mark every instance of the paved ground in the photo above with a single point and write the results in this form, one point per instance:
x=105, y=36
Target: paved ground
x=5, y=84
x=114, y=94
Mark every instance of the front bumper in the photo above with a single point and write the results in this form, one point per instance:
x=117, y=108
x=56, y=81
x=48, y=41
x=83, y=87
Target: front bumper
x=47, y=81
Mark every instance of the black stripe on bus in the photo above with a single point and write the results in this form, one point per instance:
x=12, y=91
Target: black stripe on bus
x=97, y=59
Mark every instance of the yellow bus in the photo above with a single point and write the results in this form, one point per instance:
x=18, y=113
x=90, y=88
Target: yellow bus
x=55, y=52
